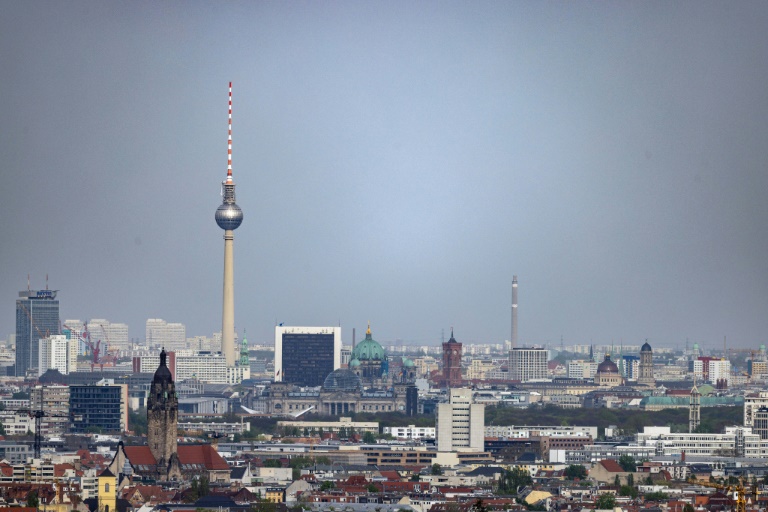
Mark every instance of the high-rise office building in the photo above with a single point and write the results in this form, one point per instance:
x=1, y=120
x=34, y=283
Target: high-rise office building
x=305, y=356
x=37, y=316
x=460, y=423
x=115, y=335
x=528, y=364
x=229, y=216
x=54, y=402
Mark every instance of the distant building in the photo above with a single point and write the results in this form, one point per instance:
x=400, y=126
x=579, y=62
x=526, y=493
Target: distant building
x=646, y=366
x=306, y=355
x=57, y=352
x=452, y=362
x=460, y=423
x=527, y=364
x=114, y=335
x=101, y=408
x=203, y=366
x=162, y=334
x=608, y=374
x=54, y=402
x=37, y=317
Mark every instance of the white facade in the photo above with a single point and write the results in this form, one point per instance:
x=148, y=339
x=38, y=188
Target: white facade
x=281, y=330
x=525, y=431
x=171, y=336
x=57, y=353
x=527, y=364
x=752, y=404
x=460, y=423
x=582, y=369
x=203, y=366
x=114, y=335
x=411, y=432
x=735, y=442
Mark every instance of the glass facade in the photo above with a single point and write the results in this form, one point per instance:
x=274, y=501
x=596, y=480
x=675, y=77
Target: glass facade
x=307, y=358
x=37, y=316
x=96, y=409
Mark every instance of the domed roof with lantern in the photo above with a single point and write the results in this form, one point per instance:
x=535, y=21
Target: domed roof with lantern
x=607, y=366
x=646, y=347
x=368, y=349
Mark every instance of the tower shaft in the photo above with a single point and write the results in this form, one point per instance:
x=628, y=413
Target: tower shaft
x=513, y=338
x=228, y=309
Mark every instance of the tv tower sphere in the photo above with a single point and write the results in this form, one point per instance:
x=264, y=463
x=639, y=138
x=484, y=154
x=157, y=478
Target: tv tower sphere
x=229, y=215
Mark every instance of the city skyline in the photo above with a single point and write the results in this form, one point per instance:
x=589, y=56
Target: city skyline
x=399, y=164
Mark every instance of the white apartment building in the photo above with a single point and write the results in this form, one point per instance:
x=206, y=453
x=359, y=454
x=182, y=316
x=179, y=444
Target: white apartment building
x=115, y=335
x=736, y=441
x=527, y=364
x=751, y=404
x=460, y=423
x=526, y=431
x=411, y=432
x=203, y=366
x=580, y=369
x=718, y=369
x=171, y=336
x=57, y=352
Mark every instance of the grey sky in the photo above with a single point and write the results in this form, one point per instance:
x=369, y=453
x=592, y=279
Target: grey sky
x=396, y=162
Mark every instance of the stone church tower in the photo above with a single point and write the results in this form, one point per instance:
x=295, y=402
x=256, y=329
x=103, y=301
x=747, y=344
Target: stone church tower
x=162, y=421
x=646, y=366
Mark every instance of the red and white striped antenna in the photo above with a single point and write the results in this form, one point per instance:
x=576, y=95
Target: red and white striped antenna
x=229, y=138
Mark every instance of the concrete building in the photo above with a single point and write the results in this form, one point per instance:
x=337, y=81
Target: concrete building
x=751, y=405
x=410, y=432
x=54, y=402
x=526, y=364
x=57, y=352
x=734, y=442
x=581, y=369
x=168, y=335
x=460, y=423
x=37, y=317
x=344, y=424
x=305, y=356
x=101, y=408
x=203, y=366
x=114, y=335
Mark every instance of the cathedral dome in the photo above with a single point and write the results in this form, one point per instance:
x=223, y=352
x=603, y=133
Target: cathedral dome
x=368, y=349
x=607, y=366
x=163, y=374
x=354, y=363
x=342, y=380
x=408, y=363
x=646, y=348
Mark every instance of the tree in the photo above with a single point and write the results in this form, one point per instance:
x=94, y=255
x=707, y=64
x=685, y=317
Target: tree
x=655, y=496
x=648, y=480
x=628, y=490
x=631, y=480
x=575, y=471
x=327, y=485
x=437, y=469
x=272, y=463
x=33, y=501
x=369, y=438
x=605, y=502
x=512, y=481
x=373, y=488
x=688, y=508
x=627, y=463
x=478, y=506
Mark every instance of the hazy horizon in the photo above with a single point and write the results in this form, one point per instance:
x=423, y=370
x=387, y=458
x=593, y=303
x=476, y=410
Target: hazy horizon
x=396, y=162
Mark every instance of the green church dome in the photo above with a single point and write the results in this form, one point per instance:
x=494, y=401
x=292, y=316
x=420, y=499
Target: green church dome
x=408, y=363
x=368, y=349
x=354, y=363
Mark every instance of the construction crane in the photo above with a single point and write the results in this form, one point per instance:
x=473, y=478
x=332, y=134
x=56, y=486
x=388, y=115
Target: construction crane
x=738, y=489
x=39, y=415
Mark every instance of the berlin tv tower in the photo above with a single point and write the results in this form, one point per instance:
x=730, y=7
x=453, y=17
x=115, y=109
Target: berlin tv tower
x=229, y=216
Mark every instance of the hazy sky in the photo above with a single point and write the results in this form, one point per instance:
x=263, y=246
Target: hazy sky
x=396, y=162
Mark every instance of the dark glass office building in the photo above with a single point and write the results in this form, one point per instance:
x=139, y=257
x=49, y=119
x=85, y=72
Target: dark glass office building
x=100, y=409
x=37, y=316
x=308, y=358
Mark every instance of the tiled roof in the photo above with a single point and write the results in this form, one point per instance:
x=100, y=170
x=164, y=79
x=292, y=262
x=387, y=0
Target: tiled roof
x=611, y=466
x=140, y=455
x=203, y=454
